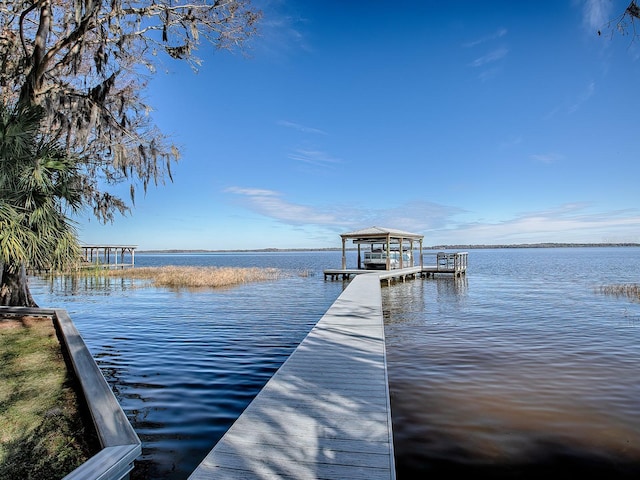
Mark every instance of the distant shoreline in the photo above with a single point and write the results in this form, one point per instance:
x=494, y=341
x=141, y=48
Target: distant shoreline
x=434, y=247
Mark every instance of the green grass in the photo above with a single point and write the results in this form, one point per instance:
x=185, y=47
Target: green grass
x=42, y=432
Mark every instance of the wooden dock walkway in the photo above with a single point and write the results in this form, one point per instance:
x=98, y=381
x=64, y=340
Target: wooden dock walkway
x=400, y=273
x=325, y=414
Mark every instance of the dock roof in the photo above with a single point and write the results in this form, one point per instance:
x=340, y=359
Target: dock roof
x=380, y=232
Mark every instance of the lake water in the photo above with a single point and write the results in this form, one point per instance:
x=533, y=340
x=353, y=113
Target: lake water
x=519, y=369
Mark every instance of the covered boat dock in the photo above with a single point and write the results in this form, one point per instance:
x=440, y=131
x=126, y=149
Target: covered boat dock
x=386, y=242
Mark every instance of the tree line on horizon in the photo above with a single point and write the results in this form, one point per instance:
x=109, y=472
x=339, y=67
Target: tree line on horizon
x=433, y=247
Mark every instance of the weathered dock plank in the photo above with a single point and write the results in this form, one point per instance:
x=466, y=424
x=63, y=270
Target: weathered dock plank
x=325, y=414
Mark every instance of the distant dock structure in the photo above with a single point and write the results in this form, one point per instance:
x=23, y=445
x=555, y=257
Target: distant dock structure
x=393, y=251
x=109, y=256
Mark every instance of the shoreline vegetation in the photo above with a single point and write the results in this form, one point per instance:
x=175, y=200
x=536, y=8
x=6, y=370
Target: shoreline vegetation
x=631, y=291
x=43, y=433
x=171, y=276
x=195, y=277
x=433, y=247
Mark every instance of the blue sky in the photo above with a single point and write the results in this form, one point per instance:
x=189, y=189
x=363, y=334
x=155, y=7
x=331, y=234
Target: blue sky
x=493, y=122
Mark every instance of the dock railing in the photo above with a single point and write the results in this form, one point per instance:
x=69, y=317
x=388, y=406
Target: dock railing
x=452, y=261
x=445, y=262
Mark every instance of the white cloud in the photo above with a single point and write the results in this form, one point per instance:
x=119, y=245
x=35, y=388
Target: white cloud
x=411, y=216
x=547, y=157
x=501, y=32
x=271, y=204
x=490, y=57
x=568, y=223
x=282, y=30
x=313, y=157
x=572, y=105
x=257, y=192
x=597, y=13
x=489, y=61
x=301, y=128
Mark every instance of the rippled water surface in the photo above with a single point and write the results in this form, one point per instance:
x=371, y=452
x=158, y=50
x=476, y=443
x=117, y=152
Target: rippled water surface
x=520, y=368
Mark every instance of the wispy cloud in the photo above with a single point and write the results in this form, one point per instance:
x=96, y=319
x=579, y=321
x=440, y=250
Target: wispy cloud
x=491, y=57
x=489, y=63
x=251, y=192
x=313, y=157
x=571, y=222
x=511, y=142
x=301, y=128
x=572, y=105
x=489, y=73
x=584, y=96
x=501, y=32
x=282, y=30
x=271, y=204
x=597, y=13
x=413, y=216
x=416, y=215
x=547, y=157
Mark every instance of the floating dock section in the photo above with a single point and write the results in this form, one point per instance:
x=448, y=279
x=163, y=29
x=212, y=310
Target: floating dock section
x=325, y=414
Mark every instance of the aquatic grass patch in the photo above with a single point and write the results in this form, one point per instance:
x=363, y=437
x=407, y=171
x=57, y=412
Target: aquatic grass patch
x=195, y=277
x=629, y=290
x=42, y=434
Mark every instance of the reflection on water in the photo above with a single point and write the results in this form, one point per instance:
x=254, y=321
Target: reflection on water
x=499, y=379
x=185, y=364
x=518, y=370
x=72, y=285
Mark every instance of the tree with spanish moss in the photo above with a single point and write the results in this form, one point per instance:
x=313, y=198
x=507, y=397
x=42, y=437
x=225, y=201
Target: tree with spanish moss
x=625, y=22
x=85, y=63
x=40, y=183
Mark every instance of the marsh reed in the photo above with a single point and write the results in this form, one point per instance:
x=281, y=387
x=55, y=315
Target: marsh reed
x=192, y=277
x=630, y=290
